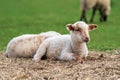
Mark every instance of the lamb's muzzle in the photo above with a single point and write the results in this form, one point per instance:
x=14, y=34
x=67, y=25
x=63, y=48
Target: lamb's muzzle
x=86, y=39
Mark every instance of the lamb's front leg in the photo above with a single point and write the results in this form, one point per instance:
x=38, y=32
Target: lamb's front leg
x=78, y=58
x=40, y=52
x=83, y=51
x=71, y=56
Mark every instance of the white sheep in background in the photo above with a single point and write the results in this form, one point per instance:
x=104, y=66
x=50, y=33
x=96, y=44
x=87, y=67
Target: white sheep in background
x=67, y=47
x=102, y=5
x=27, y=45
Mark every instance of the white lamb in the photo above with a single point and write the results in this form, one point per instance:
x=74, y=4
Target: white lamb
x=27, y=45
x=67, y=47
x=102, y=5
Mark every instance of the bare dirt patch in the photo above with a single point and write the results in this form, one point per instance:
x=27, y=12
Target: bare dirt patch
x=98, y=66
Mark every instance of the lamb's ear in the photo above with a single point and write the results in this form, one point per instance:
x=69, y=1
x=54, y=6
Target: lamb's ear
x=70, y=27
x=92, y=26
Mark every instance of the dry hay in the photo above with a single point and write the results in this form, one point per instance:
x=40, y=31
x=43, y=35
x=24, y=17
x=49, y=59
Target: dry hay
x=98, y=66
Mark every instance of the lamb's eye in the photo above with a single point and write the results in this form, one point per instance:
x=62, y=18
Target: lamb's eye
x=79, y=30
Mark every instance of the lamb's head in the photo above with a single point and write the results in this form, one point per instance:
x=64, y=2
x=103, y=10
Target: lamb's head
x=80, y=31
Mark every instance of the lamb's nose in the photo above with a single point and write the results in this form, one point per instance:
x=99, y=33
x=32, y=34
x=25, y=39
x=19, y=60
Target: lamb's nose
x=86, y=39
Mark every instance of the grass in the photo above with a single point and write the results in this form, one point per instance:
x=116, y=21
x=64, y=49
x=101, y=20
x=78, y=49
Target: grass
x=19, y=17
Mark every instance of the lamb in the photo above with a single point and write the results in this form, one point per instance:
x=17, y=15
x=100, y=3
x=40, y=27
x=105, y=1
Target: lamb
x=102, y=5
x=67, y=47
x=26, y=45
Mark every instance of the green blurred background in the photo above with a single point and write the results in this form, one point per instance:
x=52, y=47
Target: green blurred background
x=19, y=17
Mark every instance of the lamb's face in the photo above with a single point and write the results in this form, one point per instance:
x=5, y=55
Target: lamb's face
x=80, y=31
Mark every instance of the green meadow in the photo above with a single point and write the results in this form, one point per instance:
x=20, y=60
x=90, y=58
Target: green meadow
x=19, y=17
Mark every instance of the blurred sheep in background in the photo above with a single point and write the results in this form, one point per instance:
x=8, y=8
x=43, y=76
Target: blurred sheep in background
x=102, y=5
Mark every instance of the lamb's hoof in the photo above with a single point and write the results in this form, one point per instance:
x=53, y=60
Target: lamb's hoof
x=36, y=60
x=80, y=60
